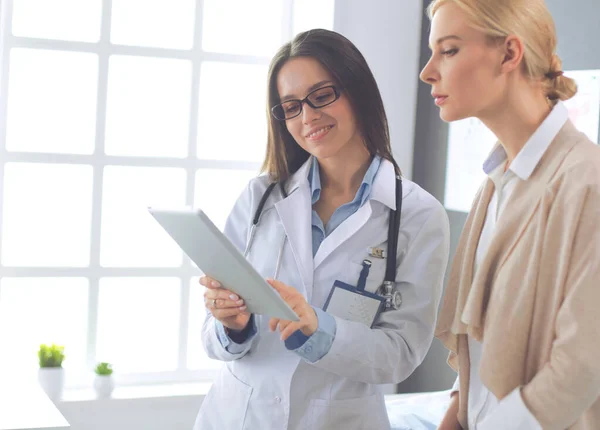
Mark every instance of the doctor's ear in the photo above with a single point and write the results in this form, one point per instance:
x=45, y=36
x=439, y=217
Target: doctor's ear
x=513, y=50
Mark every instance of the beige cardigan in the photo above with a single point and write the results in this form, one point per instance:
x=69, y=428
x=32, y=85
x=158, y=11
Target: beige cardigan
x=535, y=300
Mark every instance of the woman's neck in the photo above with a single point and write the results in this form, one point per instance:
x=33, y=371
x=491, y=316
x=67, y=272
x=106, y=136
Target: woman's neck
x=342, y=175
x=520, y=115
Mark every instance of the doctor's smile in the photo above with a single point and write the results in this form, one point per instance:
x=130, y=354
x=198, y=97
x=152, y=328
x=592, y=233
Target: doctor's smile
x=317, y=133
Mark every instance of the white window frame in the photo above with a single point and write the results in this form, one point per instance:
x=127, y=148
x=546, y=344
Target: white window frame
x=98, y=160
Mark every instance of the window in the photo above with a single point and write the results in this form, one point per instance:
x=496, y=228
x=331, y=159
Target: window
x=470, y=141
x=108, y=107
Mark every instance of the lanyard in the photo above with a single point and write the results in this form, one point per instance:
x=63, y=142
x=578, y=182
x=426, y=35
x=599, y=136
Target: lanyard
x=393, y=231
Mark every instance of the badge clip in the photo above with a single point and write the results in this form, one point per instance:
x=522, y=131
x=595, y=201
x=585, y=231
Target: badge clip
x=377, y=252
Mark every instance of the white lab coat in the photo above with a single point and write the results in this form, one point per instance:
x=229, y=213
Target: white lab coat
x=268, y=387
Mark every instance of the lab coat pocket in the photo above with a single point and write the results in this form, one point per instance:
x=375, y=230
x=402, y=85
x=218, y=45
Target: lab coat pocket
x=226, y=403
x=350, y=414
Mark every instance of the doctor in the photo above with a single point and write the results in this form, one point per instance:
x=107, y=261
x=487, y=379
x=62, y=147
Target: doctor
x=329, y=152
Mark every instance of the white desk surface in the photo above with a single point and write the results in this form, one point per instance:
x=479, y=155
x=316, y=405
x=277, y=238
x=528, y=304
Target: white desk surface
x=25, y=406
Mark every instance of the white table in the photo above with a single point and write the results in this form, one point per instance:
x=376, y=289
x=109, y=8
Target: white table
x=417, y=411
x=25, y=406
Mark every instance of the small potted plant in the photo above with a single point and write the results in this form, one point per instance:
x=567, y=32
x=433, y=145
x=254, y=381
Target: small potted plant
x=103, y=382
x=51, y=373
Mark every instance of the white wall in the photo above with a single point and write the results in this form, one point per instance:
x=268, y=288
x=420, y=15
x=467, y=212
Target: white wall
x=388, y=32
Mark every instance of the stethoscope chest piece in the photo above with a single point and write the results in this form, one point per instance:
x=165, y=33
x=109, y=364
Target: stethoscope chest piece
x=393, y=299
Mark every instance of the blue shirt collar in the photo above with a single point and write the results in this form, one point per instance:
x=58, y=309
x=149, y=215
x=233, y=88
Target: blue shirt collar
x=364, y=191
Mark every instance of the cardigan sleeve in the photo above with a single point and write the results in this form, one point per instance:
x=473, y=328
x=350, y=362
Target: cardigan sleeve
x=570, y=382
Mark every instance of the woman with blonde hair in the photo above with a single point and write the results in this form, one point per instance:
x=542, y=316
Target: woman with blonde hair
x=519, y=312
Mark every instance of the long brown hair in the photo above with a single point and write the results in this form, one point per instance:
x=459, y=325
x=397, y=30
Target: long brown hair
x=349, y=69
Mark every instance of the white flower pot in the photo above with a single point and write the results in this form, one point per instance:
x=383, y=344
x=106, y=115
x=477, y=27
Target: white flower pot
x=52, y=380
x=104, y=386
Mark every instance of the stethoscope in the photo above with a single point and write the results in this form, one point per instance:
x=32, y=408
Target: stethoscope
x=393, y=299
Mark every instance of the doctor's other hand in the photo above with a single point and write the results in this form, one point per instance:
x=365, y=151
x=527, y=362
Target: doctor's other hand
x=308, y=323
x=224, y=305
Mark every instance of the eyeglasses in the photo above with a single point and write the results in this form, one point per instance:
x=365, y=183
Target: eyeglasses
x=316, y=99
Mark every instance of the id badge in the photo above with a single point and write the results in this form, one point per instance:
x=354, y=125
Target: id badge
x=349, y=303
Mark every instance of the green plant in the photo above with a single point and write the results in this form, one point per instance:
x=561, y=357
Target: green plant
x=103, y=369
x=51, y=356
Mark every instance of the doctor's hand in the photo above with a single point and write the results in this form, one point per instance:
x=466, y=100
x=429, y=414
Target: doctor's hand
x=308, y=323
x=225, y=305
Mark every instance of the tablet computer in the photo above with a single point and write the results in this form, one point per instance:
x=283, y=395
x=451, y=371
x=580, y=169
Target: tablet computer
x=219, y=259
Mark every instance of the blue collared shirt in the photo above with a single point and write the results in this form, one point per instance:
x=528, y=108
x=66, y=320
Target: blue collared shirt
x=320, y=231
x=313, y=348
